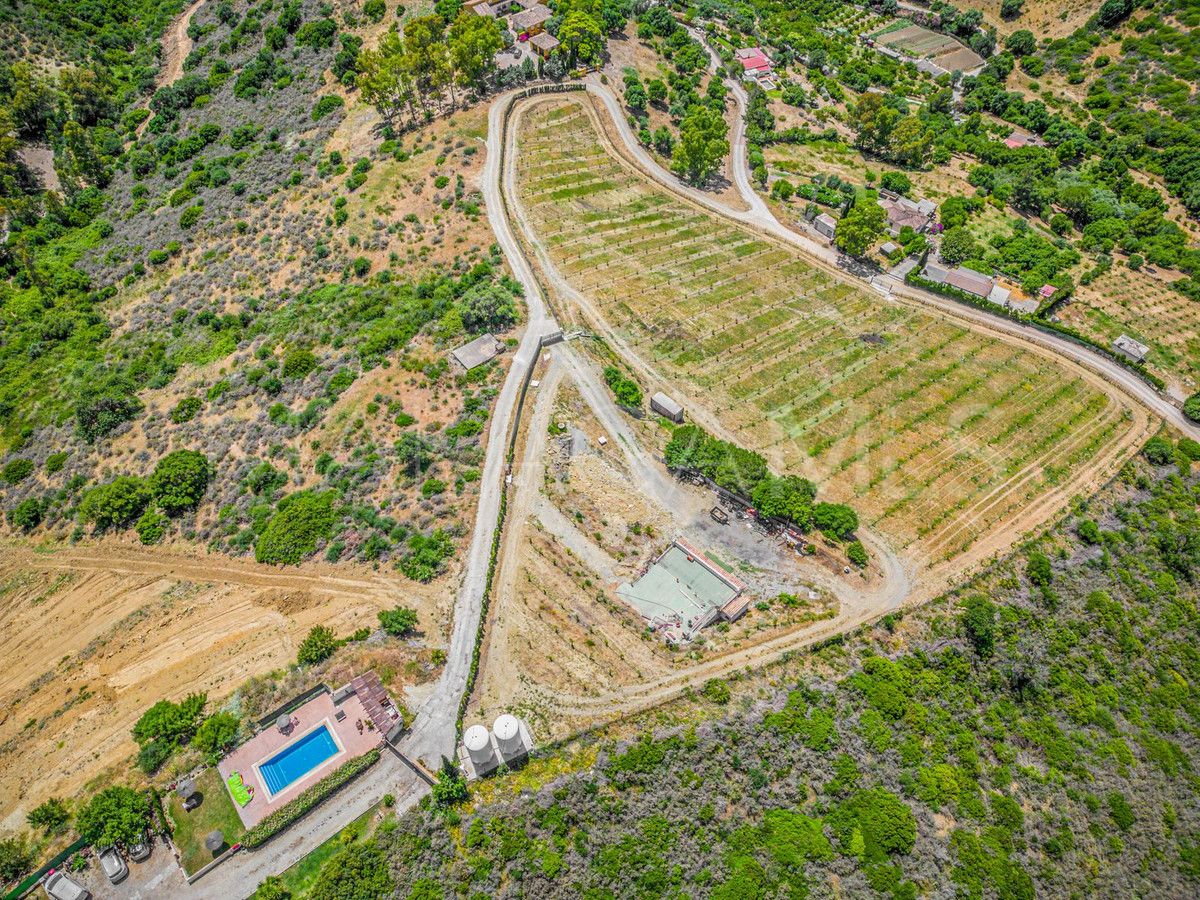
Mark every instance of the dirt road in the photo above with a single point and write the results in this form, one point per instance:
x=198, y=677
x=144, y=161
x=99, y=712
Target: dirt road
x=433, y=733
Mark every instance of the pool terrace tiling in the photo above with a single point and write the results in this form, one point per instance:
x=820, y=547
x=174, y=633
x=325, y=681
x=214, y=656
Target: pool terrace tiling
x=318, y=712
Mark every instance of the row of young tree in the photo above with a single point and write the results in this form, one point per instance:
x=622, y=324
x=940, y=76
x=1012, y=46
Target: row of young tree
x=745, y=473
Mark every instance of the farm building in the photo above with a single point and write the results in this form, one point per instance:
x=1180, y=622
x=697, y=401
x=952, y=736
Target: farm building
x=964, y=279
x=1131, y=349
x=903, y=212
x=543, y=44
x=482, y=349
x=825, y=225
x=1019, y=138
x=531, y=21
x=666, y=407
x=683, y=591
x=756, y=67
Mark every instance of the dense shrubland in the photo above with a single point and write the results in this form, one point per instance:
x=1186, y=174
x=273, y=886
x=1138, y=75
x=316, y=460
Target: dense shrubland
x=1031, y=734
x=210, y=238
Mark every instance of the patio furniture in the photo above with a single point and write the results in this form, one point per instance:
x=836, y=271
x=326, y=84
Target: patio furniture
x=284, y=723
x=215, y=841
x=186, y=787
x=238, y=790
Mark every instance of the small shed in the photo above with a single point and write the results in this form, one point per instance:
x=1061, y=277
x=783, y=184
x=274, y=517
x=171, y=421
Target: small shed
x=1131, y=349
x=666, y=407
x=482, y=349
x=826, y=225
x=888, y=248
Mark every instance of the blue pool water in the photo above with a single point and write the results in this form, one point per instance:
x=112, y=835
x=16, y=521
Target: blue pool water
x=296, y=760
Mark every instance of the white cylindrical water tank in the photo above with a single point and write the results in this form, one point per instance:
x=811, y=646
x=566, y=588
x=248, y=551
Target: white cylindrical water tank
x=508, y=735
x=479, y=745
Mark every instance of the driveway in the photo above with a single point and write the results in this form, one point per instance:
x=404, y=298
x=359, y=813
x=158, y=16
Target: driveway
x=159, y=876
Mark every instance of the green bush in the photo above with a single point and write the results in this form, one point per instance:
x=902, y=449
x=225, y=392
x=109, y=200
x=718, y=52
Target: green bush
x=626, y=390
x=1191, y=407
x=115, y=504
x=296, y=809
x=105, y=405
x=216, y=734
x=716, y=690
x=158, y=257
x=427, y=555
x=300, y=521
x=185, y=410
x=191, y=216
x=835, y=519
x=1089, y=531
x=325, y=105
x=117, y=815
x=1038, y=569
x=179, y=480
x=398, y=622
x=151, y=526
x=357, y=872
x=857, y=554
x=26, y=515
x=16, y=470
x=55, y=462
x=1159, y=451
x=51, y=816
x=318, y=645
x=299, y=363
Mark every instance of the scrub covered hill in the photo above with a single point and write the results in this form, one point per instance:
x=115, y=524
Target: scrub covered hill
x=241, y=264
x=1033, y=734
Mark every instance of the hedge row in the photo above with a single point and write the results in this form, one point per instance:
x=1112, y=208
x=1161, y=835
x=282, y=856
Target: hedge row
x=1053, y=327
x=311, y=798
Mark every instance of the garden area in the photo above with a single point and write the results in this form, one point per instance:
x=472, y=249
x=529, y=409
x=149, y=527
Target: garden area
x=216, y=812
x=934, y=433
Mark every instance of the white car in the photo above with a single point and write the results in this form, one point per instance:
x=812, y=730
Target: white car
x=60, y=887
x=112, y=864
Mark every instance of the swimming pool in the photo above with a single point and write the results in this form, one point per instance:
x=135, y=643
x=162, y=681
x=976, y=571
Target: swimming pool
x=296, y=760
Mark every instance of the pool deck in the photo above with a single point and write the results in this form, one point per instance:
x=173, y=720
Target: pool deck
x=316, y=712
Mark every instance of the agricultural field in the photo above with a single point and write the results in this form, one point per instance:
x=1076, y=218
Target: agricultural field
x=1145, y=307
x=940, y=437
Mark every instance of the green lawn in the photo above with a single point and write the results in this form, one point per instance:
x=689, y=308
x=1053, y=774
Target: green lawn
x=216, y=812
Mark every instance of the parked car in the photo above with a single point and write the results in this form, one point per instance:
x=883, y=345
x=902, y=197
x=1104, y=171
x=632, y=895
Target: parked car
x=113, y=865
x=60, y=887
x=140, y=851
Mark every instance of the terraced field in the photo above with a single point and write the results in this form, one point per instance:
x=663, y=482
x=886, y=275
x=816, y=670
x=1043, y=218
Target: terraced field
x=934, y=432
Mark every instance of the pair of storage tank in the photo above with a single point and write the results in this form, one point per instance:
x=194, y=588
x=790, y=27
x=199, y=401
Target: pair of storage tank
x=509, y=744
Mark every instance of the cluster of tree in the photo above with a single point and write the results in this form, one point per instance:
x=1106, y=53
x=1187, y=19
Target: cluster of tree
x=166, y=726
x=861, y=226
x=176, y=485
x=884, y=128
x=414, y=71
x=745, y=473
x=702, y=141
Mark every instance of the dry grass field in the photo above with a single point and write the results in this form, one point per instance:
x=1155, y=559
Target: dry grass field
x=935, y=433
x=93, y=636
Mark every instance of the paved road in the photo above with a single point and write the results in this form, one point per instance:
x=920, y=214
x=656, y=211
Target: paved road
x=433, y=732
